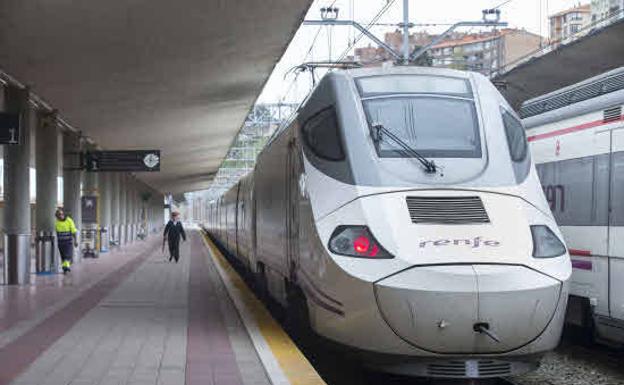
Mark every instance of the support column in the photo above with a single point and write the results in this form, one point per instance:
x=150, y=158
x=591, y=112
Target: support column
x=115, y=198
x=130, y=208
x=123, y=209
x=139, y=207
x=105, y=210
x=149, y=207
x=129, y=219
x=17, y=192
x=169, y=209
x=150, y=211
x=134, y=208
x=90, y=224
x=72, y=178
x=142, y=210
x=156, y=206
x=47, y=166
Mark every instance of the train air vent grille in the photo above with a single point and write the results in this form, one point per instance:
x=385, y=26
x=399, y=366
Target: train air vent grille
x=480, y=368
x=612, y=114
x=491, y=368
x=447, y=369
x=447, y=210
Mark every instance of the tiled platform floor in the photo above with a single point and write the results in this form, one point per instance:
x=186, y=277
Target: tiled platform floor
x=130, y=317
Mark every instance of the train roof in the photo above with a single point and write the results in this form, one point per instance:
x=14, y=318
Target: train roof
x=596, y=86
x=403, y=70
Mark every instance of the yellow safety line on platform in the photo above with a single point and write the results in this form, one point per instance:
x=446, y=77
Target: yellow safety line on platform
x=295, y=365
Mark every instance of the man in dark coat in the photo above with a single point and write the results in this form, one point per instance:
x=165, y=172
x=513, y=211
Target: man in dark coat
x=173, y=232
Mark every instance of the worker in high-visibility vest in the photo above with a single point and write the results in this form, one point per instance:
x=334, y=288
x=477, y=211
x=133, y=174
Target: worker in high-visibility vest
x=66, y=238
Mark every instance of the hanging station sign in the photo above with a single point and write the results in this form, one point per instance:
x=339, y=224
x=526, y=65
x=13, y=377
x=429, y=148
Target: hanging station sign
x=9, y=128
x=126, y=161
x=89, y=209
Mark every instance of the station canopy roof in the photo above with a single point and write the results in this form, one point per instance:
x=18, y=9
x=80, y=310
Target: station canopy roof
x=179, y=76
x=598, y=52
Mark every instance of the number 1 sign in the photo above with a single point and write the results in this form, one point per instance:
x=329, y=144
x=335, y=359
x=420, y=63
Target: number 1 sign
x=9, y=128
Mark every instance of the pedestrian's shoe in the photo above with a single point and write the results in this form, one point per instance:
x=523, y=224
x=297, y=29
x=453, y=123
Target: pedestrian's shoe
x=66, y=264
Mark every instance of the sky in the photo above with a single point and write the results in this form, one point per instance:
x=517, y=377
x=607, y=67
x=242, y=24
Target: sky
x=284, y=85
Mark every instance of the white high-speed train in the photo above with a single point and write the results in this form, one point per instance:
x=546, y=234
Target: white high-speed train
x=401, y=210
x=577, y=139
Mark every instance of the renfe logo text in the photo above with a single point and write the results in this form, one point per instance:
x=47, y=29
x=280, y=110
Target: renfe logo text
x=473, y=243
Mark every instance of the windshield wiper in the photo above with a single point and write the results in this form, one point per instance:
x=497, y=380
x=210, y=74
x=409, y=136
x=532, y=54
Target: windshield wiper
x=429, y=165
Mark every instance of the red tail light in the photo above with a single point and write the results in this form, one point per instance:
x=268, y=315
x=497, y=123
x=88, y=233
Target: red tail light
x=361, y=244
x=356, y=241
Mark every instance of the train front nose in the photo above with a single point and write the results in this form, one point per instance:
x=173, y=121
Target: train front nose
x=468, y=308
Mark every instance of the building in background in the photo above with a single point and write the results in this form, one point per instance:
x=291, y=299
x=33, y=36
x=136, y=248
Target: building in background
x=485, y=52
x=482, y=52
x=566, y=23
x=371, y=56
x=602, y=9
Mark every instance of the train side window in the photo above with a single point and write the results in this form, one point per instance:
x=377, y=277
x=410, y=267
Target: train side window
x=321, y=135
x=516, y=139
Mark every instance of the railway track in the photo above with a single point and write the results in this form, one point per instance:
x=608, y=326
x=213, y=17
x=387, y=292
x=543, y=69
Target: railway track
x=575, y=363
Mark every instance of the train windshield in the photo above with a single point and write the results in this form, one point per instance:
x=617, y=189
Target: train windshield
x=435, y=127
x=435, y=116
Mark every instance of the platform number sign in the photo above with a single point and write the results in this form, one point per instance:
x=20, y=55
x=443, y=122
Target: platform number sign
x=9, y=128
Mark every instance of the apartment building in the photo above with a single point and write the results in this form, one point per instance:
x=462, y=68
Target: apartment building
x=568, y=22
x=485, y=52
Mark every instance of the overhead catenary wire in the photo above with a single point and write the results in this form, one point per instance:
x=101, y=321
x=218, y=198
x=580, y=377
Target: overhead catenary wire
x=374, y=20
x=540, y=22
x=309, y=52
x=318, y=31
x=351, y=17
x=411, y=24
x=371, y=23
x=502, y=4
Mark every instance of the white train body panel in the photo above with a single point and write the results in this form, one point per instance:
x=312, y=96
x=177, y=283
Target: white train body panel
x=578, y=146
x=451, y=252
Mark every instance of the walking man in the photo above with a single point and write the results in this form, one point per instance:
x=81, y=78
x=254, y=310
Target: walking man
x=66, y=238
x=173, y=232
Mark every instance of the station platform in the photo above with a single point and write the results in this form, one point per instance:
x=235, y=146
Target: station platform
x=132, y=317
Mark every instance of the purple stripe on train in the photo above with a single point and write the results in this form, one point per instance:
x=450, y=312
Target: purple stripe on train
x=583, y=265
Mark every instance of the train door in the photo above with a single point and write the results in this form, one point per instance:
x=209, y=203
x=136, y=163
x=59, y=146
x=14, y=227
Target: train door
x=252, y=226
x=238, y=220
x=292, y=207
x=616, y=216
x=224, y=223
x=216, y=222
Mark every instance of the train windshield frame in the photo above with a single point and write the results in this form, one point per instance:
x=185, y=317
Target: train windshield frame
x=370, y=86
x=436, y=116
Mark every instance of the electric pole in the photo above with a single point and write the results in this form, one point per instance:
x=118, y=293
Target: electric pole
x=406, y=48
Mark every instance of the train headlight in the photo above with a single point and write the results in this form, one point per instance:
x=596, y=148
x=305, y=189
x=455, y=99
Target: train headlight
x=545, y=243
x=356, y=241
